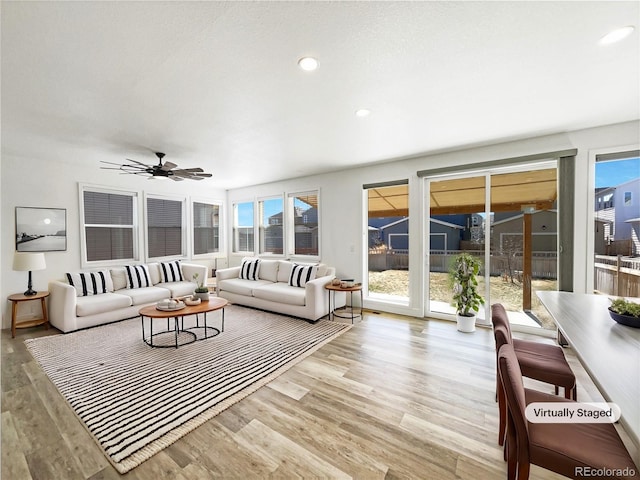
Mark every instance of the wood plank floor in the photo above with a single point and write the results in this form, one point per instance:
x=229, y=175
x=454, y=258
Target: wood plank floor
x=394, y=397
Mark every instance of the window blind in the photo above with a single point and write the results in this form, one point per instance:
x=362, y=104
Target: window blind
x=164, y=227
x=108, y=225
x=206, y=226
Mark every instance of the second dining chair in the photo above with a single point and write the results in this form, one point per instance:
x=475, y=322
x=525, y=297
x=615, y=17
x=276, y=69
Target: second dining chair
x=538, y=361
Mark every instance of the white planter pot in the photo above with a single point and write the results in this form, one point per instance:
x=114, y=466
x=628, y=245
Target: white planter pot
x=466, y=324
x=204, y=296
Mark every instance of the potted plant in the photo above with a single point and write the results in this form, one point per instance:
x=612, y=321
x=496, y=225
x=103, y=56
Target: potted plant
x=466, y=299
x=625, y=312
x=201, y=292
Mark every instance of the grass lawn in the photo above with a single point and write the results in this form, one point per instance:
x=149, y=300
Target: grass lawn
x=396, y=282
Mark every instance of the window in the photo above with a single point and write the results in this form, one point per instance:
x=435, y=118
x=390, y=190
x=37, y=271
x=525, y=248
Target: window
x=109, y=221
x=616, y=223
x=271, y=231
x=243, y=227
x=206, y=228
x=303, y=225
x=165, y=227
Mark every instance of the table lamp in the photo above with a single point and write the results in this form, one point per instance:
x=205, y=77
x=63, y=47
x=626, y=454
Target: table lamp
x=26, y=262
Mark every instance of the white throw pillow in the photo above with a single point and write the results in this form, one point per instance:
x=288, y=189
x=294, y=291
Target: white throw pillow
x=301, y=274
x=138, y=276
x=91, y=283
x=268, y=270
x=249, y=269
x=170, y=272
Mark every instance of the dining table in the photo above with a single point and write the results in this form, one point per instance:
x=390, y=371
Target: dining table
x=608, y=351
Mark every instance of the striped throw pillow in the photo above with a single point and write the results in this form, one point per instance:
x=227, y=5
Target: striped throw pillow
x=138, y=276
x=90, y=283
x=249, y=269
x=301, y=274
x=170, y=272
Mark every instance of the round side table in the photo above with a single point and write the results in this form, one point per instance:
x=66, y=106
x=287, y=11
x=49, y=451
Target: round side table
x=337, y=288
x=17, y=298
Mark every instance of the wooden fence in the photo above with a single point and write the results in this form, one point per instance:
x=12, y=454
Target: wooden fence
x=544, y=264
x=617, y=275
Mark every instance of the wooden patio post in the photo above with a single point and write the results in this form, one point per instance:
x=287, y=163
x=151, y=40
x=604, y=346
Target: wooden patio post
x=527, y=252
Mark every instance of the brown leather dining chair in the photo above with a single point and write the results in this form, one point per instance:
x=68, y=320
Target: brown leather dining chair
x=538, y=361
x=569, y=449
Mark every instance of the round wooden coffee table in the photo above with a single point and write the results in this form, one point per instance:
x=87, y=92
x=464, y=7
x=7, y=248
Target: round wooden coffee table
x=182, y=335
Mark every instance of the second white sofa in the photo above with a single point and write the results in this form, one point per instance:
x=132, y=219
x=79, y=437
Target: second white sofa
x=280, y=286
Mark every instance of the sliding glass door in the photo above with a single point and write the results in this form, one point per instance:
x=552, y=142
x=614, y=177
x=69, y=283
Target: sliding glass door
x=506, y=217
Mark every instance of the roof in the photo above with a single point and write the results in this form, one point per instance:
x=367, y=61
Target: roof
x=509, y=192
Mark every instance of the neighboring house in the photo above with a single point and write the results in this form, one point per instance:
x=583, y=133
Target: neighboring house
x=306, y=231
x=617, y=208
x=393, y=232
x=445, y=236
x=507, y=231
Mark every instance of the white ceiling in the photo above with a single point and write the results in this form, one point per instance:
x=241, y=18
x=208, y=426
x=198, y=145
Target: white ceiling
x=216, y=84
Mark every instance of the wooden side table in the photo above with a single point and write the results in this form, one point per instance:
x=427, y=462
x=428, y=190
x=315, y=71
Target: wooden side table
x=15, y=299
x=336, y=288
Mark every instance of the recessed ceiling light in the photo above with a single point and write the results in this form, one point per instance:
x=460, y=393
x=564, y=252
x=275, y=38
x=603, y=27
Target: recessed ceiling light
x=617, y=35
x=363, y=112
x=308, y=64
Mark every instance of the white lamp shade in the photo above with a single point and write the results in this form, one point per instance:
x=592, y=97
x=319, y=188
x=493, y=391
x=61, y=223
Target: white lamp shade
x=26, y=262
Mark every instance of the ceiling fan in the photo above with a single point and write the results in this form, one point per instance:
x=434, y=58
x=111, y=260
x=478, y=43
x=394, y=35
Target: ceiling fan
x=166, y=169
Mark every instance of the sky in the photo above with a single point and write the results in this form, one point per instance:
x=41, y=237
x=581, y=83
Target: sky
x=610, y=174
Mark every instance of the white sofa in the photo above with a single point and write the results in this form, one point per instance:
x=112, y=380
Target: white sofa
x=271, y=290
x=69, y=310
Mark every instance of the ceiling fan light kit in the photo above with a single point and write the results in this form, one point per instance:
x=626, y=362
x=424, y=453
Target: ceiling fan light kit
x=162, y=170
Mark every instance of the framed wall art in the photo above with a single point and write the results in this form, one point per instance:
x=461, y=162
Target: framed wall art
x=41, y=229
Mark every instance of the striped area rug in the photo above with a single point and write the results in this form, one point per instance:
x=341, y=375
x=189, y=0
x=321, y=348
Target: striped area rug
x=136, y=400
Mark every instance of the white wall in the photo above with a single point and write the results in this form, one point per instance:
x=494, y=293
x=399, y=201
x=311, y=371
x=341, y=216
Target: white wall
x=342, y=206
x=53, y=182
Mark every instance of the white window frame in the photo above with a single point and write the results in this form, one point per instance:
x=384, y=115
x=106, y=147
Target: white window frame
x=85, y=187
x=192, y=226
x=184, y=227
x=290, y=227
x=235, y=226
x=261, y=228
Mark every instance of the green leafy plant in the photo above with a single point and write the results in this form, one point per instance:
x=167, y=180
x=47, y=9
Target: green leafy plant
x=625, y=307
x=462, y=277
x=200, y=287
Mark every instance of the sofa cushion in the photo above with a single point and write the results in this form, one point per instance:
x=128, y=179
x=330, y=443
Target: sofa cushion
x=154, y=273
x=179, y=289
x=106, y=302
x=301, y=274
x=140, y=296
x=137, y=276
x=91, y=283
x=170, y=272
x=268, y=270
x=284, y=270
x=119, y=278
x=240, y=286
x=249, y=269
x=281, y=293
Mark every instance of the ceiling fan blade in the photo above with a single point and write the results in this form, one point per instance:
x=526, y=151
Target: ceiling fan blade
x=168, y=166
x=136, y=161
x=181, y=173
x=176, y=178
x=192, y=170
x=203, y=175
x=110, y=163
